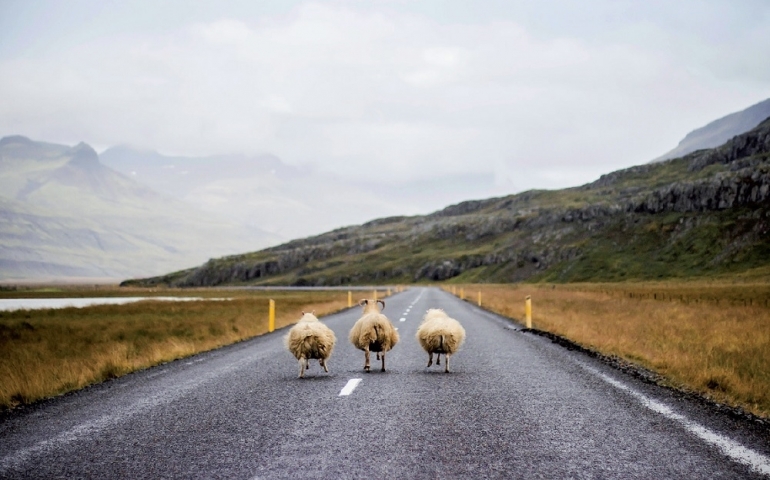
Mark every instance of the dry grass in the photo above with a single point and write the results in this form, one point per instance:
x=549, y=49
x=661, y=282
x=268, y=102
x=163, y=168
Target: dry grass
x=708, y=337
x=48, y=352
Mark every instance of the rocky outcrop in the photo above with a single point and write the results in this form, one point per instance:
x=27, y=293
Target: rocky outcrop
x=752, y=143
x=745, y=188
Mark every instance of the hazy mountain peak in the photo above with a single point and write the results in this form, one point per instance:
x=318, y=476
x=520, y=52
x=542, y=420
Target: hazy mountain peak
x=721, y=130
x=15, y=139
x=83, y=156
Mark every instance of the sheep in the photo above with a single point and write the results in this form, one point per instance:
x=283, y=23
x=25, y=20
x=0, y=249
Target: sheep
x=310, y=338
x=438, y=333
x=373, y=332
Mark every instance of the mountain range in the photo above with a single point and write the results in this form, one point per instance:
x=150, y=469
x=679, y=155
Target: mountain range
x=289, y=201
x=703, y=214
x=66, y=216
x=70, y=213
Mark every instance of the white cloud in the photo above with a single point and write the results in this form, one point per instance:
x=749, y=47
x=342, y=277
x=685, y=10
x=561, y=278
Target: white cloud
x=352, y=87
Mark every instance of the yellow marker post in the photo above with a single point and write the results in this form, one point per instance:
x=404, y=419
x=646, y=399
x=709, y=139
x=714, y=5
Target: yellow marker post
x=375, y=294
x=350, y=299
x=528, y=310
x=479, y=298
x=271, y=317
x=389, y=291
x=462, y=294
x=454, y=290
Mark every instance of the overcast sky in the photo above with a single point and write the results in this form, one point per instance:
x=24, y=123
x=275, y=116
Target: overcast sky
x=538, y=94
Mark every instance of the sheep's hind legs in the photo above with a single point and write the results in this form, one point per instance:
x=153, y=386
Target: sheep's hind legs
x=322, y=362
x=301, y=367
x=430, y=359
x=446, y=363
x=383, y=361
x=438, y=359
x=367, y=368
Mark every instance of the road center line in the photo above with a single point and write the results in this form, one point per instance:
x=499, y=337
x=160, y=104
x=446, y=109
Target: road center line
x=737, y=452
x=402, y=319
x=349, y=387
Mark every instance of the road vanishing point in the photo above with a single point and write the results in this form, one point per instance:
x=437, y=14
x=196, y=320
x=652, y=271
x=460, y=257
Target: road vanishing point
x=515, y=405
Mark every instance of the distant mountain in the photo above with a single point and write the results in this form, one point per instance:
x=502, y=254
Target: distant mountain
x=289, y=201
x=719, y=131
x=704, y=214
x=64, y=215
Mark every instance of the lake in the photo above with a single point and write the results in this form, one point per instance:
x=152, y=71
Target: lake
x=8, y=304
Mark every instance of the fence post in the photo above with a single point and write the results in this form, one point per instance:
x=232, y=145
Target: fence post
x=528, y=310
x=271, y=317
x=350, y=299
x=479, y=298
x=462, y=293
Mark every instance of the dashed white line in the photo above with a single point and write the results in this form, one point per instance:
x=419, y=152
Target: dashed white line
x=402, y=319
x=349, y=387
x=756, y=461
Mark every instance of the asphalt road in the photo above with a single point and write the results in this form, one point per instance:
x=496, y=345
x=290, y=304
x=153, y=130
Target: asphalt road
x=515, y=406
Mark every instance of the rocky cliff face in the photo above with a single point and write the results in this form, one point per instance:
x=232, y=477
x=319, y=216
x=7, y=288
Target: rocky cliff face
x=709, y=211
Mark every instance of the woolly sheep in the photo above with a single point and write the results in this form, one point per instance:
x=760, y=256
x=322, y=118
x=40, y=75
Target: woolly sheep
x=310, y=338
x=438, y=333
x=373, y=332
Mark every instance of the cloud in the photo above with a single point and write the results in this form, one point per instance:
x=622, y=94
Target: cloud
x=350, y=88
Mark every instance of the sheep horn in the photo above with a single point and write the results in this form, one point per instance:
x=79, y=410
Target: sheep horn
x=382, y=302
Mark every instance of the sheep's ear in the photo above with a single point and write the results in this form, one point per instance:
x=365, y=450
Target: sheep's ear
x=363, y=302
x=303, y=312
x=313, y=312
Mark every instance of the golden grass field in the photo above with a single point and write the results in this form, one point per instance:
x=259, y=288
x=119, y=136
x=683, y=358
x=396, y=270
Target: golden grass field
x=53, y=351
x=709, y=337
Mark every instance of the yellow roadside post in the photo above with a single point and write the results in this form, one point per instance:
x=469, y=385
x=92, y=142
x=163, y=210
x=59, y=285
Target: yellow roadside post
x=375, y=294
x=271, y=317
x=389, y=291
x=462, y=293
x=479, y=298
x=454, y=290
x=350, y=299
x=528, y=310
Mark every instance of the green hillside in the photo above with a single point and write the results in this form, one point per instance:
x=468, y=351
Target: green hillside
x=704, y=214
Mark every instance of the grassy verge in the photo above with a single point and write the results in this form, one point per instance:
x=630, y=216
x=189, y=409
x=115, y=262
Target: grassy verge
x=709, y=337
x=49, y=352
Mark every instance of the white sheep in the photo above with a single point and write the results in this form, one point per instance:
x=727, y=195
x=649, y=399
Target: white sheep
x=438, y=333
x=310, y=338
x=373, y=332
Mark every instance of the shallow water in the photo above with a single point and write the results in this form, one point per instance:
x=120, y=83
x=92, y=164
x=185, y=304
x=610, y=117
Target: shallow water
x=8, y=304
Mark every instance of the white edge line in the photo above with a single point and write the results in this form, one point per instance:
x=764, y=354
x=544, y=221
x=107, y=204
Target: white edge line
x=756, y=461
x=349, y=387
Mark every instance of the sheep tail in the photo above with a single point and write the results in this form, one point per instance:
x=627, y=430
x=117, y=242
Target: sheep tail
x=441, y=343
x=309, y=344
